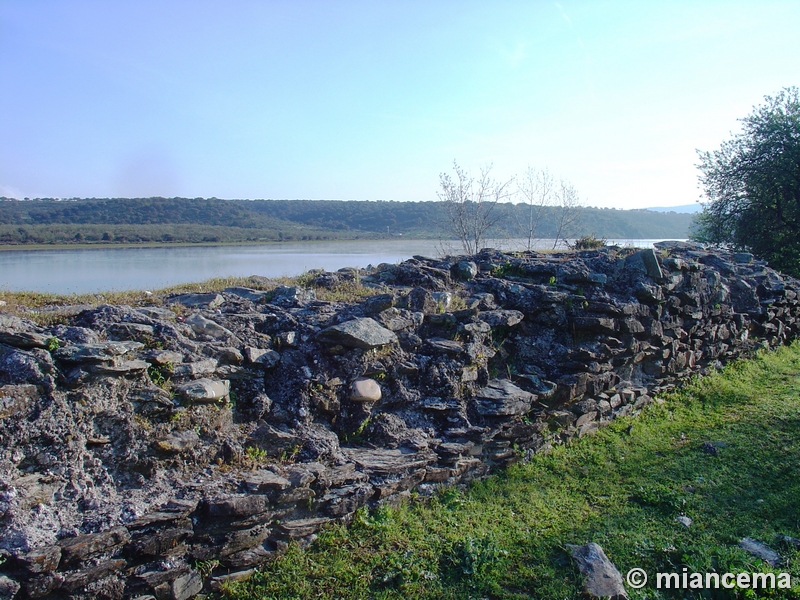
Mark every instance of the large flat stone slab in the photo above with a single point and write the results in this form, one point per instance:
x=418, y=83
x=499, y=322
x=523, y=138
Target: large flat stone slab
x=382, y=462
x=99, y=352
x=501, y=398
x=24, y=339
x=363, y=333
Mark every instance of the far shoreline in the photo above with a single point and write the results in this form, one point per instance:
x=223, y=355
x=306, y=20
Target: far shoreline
x=115, y=245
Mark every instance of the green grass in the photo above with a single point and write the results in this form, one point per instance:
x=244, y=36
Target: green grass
x=623, y=488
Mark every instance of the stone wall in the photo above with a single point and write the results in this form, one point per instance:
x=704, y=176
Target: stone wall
x=154, y=452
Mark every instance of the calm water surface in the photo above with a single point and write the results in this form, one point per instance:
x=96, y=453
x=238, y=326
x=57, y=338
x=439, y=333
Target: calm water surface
x=105, y=269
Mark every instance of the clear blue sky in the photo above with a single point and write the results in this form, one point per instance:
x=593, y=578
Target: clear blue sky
x=372, y=100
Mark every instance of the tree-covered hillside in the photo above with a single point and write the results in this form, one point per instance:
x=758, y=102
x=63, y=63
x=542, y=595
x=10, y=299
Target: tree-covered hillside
x=212, y=220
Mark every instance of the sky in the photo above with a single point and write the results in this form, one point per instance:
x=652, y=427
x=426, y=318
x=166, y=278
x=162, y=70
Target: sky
x=372, y=100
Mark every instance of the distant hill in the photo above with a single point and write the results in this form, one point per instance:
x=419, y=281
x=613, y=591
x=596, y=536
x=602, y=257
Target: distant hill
x=137, y=220
x=683, y=208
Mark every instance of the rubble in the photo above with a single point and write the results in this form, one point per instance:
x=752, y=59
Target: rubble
x=136, y=443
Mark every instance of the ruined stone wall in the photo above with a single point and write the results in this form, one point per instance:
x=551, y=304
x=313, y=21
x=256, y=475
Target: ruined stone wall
x=152, y=451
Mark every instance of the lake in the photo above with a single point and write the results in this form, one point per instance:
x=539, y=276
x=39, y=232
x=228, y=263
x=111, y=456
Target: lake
x=88, y=270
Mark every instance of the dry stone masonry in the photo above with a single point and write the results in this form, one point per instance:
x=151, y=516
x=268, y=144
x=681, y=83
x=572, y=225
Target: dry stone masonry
x=158, y=451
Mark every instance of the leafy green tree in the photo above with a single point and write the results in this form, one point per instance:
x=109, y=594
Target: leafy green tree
x=753, y=185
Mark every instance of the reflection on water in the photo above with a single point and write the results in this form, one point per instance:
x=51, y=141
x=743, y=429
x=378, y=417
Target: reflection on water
x=103, y=269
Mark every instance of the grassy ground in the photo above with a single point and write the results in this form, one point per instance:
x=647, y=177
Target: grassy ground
x=30, y=304
x=622, y=488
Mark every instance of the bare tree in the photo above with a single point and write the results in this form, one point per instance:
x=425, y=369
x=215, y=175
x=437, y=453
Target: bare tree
x=568, y=207
x=470, y=205
x=537, y=190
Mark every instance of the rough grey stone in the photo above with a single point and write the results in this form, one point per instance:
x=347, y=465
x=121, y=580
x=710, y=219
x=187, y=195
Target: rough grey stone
x=187, y=586
x=77, y=549
x=444, y=345
x=465, y=270
x=395, y=319
x=388, y=462
x=205, y=390
x=164, y=357
x=601, y=577
x=502, y=398
x=23, y=339
x=291, y=296
x=8, y=588
x=255, y=296
x=646, y=261
x=41, y=560
x=301, y=527
x=265, y=482
x=363, y=333
x=178, y=442
x=156, y=312
x=237, y=505
x=99, y=352
x=218, y=582
x=501, y=318
x=17, y=399
x=421, y=300
x=119, y=367
x=193, y=369
x=261, y=356
x=760, y=550
x=131, y=331
x=210, y=300
x=203, y=326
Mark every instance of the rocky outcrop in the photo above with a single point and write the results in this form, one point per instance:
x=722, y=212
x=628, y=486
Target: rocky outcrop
x=160, y=450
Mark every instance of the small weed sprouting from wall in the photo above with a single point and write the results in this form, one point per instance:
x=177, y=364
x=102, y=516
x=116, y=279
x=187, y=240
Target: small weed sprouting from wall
x=588, y=242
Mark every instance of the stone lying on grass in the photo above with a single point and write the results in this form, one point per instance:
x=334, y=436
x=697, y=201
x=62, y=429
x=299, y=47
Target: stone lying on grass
x=760, y=550
x=601, y=577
